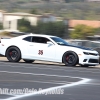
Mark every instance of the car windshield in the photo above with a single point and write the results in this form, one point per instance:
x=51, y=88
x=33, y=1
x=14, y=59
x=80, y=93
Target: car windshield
x=59, y=41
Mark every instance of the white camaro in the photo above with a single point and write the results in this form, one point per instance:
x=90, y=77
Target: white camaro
x=48, y=48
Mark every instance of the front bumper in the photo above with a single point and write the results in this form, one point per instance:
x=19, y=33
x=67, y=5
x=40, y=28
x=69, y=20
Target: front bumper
x=89, y=60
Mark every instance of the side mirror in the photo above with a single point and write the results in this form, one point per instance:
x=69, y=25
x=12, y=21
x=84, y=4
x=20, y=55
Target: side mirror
x=50, y=43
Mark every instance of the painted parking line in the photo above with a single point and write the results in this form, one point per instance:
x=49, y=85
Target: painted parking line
x=38, y=74
x=51, y=68
x=82, y=81
x=36, y=81
x=5, y=96
x=49, y=89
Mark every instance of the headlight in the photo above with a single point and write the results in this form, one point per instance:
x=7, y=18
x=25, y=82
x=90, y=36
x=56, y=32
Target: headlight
x=94, y=54
x=86, y=53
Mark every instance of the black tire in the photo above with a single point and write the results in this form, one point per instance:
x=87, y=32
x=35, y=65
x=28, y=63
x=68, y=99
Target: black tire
x=98, y=50
x=13, y=54
x=84, y=65
x=28, y=61
x=70, y=58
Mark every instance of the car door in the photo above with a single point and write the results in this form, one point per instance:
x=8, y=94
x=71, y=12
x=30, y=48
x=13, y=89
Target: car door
x=39, y=49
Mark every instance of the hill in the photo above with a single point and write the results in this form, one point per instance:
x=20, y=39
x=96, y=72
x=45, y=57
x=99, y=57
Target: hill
x=71, y=9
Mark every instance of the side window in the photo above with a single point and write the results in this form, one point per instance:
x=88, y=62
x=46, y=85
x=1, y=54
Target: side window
x=27, y=38
x=40, y=40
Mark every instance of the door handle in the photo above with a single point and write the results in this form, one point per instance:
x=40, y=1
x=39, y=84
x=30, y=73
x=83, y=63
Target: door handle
x=31, y=45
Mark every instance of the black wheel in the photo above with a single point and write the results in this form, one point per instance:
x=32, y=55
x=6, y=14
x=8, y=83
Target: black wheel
x=28, y=61
x=13, y=54
x=70, y=58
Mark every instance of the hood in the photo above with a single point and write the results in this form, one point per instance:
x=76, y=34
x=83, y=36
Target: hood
x=80, y=47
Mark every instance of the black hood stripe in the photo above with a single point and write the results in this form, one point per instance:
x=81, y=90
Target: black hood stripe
x=80, y=47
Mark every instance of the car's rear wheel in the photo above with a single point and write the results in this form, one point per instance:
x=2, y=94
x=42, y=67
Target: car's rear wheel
x=13, y=54
x=28, y=61
x=70, y=58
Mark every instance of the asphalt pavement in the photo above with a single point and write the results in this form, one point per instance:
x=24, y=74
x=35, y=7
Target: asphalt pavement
x=48, y=81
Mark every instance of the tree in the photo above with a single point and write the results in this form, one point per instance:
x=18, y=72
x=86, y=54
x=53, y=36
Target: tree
x=1, y=26
x=67, y=1
x=97, y=31
x=34, y=11
x=50, y=28
x=24, y=25
x=81, y=31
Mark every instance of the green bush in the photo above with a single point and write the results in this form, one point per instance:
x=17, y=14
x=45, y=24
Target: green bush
x=81, y=31
x=24, y=25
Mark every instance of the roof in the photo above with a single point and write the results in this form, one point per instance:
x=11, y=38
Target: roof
x=32, y=34
x=95, y=36
x=2, y=11
x=21, y=14
x=93, y=0
x=94, y=24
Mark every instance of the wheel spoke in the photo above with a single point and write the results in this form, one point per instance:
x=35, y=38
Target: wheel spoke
x=13, y=54
x=70, y=59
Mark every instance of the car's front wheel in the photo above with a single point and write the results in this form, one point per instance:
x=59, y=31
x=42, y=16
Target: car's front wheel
x=84, y=65
x=70, y=58
x=28, y=61
x=13, y=54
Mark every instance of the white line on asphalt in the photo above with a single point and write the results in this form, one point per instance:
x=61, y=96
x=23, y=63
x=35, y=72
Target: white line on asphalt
x=32, y=67
x=49, y=89
x=36, y=68
x=42, y=81
x=55, y=82
x=53, y=69
x=83, y=80
x=98, y=84
x=49, y=66
x=37, y=74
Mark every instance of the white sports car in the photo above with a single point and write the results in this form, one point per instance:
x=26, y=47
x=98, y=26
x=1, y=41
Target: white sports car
x=33, y=47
